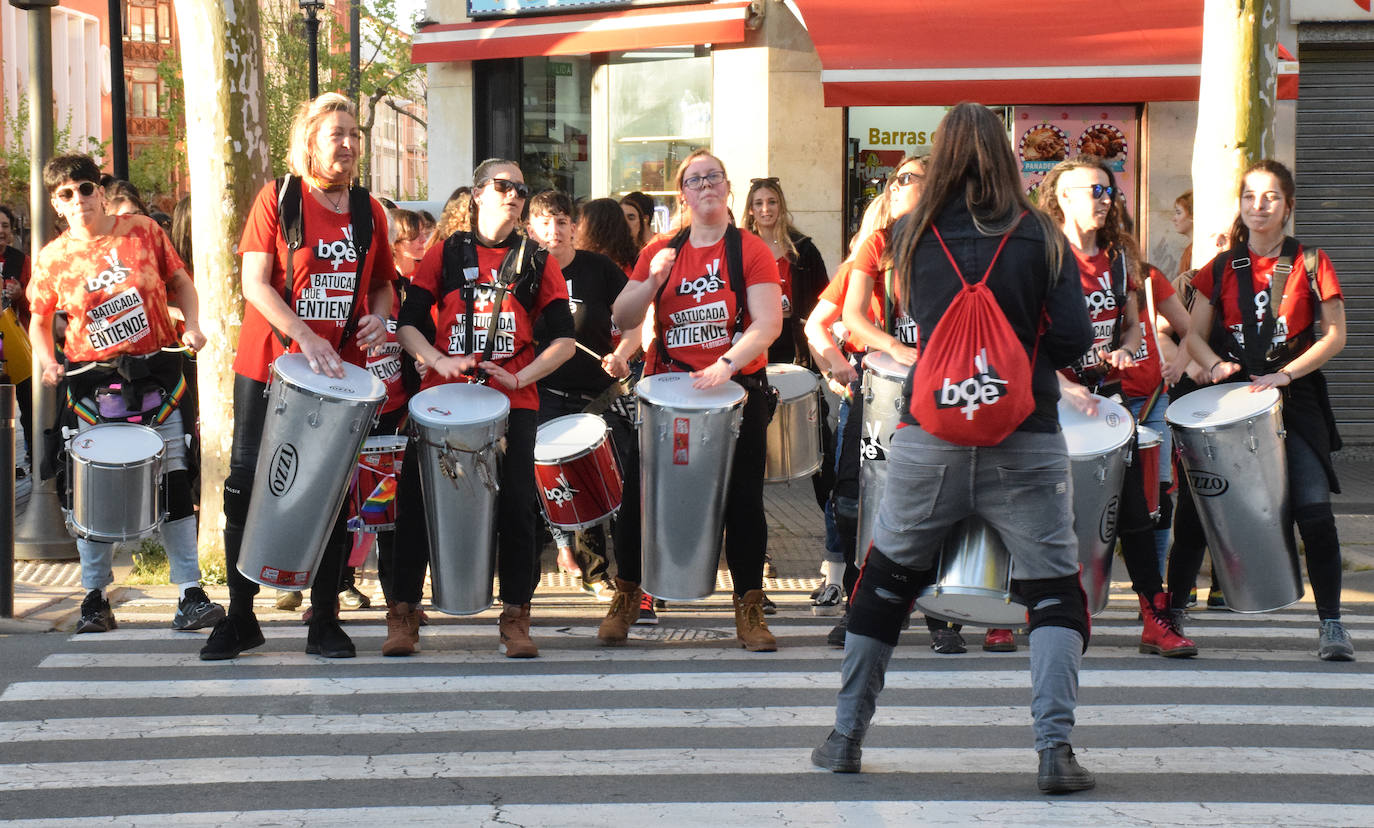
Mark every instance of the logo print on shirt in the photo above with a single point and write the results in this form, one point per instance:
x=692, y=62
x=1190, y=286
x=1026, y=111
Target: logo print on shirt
x=1103, y=298
x=1261, y=305
x=337, y=252
x=702, y=285
x=113, y=274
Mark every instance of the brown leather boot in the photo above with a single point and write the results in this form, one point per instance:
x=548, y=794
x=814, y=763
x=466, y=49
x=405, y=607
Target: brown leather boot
x=402, y=630
x=514, y=625
x=624, y=611
x=750, y=628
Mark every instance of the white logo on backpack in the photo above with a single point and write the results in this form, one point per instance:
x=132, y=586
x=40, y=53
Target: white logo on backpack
x=985, y=387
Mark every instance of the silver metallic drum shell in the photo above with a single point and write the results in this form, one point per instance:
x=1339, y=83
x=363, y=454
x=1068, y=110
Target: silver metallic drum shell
x=794, y=433
x=687, y=448
x=1098, y=447
x=1231, y=442
x=973, y=585
x=457, y=432
x=882, y=413
x=311, y=437
x=115, y=471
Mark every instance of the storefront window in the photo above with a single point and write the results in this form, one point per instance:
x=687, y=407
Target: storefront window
x=660, y=110
x=557, y=119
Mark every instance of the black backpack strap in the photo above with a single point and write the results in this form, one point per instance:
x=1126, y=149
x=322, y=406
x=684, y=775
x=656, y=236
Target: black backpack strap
x=292, y=227
x=734, y=267
x=360, y=216
x=675, y=243
x=1120, y=296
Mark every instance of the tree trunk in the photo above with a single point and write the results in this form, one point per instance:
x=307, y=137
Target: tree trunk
x=226, y=144
x=1235, y=124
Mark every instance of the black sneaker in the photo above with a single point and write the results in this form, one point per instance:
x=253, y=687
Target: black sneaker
x=326, y=638
x=647, y=616
x=196, y=611
x=947, y=642
x=838, y=753
x=353, y=598
x=835, y=637
x=96, y=616
x=231, y=636
x=769, y=608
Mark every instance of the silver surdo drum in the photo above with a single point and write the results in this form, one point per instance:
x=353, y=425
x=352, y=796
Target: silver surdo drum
x=686, y=447
x=457, y=431
x=1098, y=449
x=882, y=393
x=973, y=584
x=312, y=434
x=794, y=433
x=1231, y=442
x=115, y=471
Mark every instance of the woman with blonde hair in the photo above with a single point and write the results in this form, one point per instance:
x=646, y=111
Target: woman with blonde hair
x=800, y=266
x=323, y=159
x=456, y=215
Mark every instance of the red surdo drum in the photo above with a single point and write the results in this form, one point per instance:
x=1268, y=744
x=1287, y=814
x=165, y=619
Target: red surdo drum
x=576, y=471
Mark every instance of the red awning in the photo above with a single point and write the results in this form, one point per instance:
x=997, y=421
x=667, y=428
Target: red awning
x=580, y=34
x=933, y=52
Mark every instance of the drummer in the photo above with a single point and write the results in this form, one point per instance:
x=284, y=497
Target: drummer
x=678, y=282
x=433, y=328
x=328, y=330
x=1080, y=195
x=114, y=277
x=1284, y=351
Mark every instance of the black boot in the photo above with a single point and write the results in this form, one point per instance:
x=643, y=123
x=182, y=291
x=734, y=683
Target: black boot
x=326, y=638
x=232, y=634
x=1061, y=773
x=838, y=753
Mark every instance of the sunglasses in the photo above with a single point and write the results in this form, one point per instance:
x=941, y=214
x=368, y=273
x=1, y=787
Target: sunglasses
x=1098, y=190
x=701, y=182
x=504, y=186
x=771, y=180
x=65, y=194
x=906, y=179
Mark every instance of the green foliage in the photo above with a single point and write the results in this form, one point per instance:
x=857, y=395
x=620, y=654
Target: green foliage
x=150, y=563
x=158, y=167
x=14, y=153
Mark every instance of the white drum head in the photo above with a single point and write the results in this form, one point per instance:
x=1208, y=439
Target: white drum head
x=1219, y=405
x=676, y=391
x=458, y=403
x=792, y=381
x=1090, y=436
x=357, y=385
x=116, y=443
x=884, y=365
x=1146, y=437
x=564, y=437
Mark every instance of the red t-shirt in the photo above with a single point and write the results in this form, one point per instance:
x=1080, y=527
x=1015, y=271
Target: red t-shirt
x=834, y=294
x=113, y=288
x=695, y=314
x=785, y=280
x=869, y=260
x=322, y=285
x=1295, y=317
x=385, y=365
x=514, y=347
x=1141, y=379
x=1098, y=283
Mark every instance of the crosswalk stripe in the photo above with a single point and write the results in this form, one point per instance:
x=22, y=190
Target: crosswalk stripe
x=676, y=761
x=472, y=721
x=799, y=814
x=955, y=679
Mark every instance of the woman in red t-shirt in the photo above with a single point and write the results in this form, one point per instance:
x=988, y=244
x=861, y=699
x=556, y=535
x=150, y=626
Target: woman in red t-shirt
x=323, y=156
x=801, y=270
x=1290, y=360
x=1080, y=195
x=712, y=359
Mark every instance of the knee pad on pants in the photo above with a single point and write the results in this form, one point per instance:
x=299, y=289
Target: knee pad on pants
x=179, y=503
x=238, y=488
x=883, y=596
x=1057, y=602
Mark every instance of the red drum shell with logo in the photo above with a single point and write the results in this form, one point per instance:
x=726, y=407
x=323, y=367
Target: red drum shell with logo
x=575, y=468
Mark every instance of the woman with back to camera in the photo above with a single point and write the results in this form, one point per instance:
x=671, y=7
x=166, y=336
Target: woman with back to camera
x=973, y=204
x=740, y=356
x=323, y=160
x=1283, y=351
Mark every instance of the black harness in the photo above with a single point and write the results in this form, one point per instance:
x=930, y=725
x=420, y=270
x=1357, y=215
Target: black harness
x=1255, y=353
x=734, y=273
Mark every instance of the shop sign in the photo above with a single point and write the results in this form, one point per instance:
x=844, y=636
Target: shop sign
x=559, y=70
x=513, y=8
x=1045, y=135
x=1301, y=11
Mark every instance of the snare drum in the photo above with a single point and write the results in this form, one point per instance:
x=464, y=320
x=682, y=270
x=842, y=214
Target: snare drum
x=1231, y=442
x=882, y=412
x=457, y=430
x=311, y=438
x=686, y=447
x=974, y=581
x=372, y=493
x=794, y=433
x=115, y=471
x=576, y=472
x=1097, y=463
x=1147, y=442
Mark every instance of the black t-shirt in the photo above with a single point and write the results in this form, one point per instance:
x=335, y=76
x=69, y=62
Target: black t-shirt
x=594, y=282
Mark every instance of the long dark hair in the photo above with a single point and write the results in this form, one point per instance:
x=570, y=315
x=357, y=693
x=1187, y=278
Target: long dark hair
x=181, y=230
x=1240, y=234
x=601, y=228
x=972, y=160
x=1114, y=236
x=644, y=205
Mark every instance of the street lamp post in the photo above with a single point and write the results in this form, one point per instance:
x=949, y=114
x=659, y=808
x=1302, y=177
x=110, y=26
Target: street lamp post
x=312, y=8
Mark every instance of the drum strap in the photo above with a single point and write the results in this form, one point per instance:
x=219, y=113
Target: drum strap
x=734, y=271
x=1256, y=353
x=1094, y=377
x=521, y=275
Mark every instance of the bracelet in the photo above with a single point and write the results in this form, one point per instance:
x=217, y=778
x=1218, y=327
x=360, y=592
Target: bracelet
x=729, y=363
x=1286, y=374
x=1214, y=367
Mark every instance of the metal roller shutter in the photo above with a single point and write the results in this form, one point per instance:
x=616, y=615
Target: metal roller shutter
x=1335, y=191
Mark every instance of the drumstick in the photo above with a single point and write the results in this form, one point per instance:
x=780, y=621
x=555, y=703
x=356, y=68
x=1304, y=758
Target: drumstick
x=589, y=350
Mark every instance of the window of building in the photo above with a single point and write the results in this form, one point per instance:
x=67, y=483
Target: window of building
x=148, y=23
x=660, y=111
x=556, y=98
x=143, y=93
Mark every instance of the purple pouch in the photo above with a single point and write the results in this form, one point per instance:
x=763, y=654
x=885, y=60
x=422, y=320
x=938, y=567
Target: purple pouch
x=109, y=402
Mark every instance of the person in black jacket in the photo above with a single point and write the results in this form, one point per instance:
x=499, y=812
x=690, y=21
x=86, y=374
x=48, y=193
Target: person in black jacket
x=1021, y=486
x=800, y=266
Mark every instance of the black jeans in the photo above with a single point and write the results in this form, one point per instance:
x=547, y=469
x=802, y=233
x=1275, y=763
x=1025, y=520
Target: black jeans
x=517, y=520
x=250, y=411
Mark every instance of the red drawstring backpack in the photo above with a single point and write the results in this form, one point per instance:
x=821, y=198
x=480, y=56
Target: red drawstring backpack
x=972, y=384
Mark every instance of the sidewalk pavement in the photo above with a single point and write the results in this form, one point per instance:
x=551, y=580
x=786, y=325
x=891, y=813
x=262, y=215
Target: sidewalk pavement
x=48, y=594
